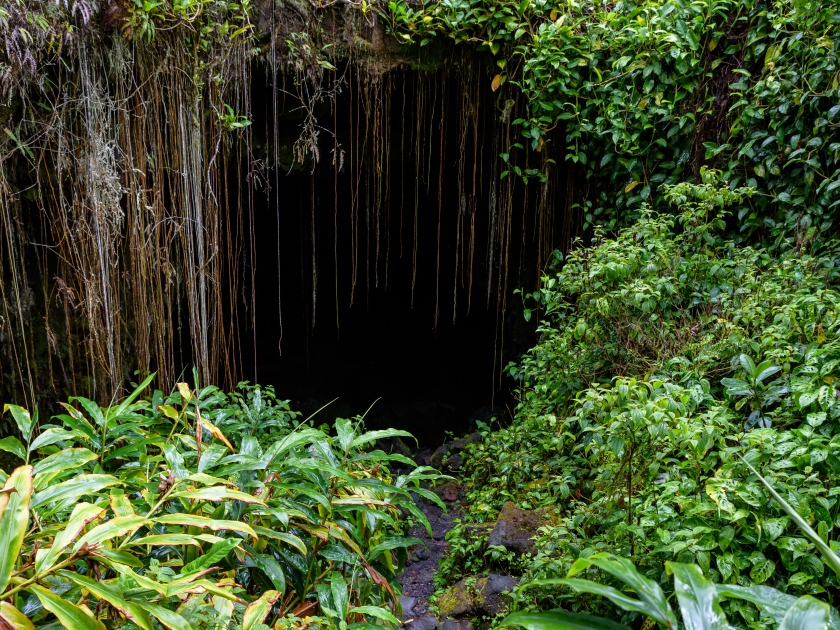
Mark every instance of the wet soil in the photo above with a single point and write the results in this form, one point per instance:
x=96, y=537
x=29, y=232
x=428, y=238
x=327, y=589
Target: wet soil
x=418, y=578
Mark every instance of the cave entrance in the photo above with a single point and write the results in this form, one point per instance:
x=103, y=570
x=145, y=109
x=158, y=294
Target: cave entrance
x=397, y=243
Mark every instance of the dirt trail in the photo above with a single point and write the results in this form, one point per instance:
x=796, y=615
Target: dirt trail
x=418, y=578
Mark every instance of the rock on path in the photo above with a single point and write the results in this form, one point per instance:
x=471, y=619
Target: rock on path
x=418, y=578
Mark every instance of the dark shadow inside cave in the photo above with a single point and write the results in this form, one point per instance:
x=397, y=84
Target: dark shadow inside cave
x=412, y=201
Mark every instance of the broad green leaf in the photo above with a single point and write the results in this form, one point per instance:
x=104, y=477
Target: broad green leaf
x=372, y=436
x=16, y=495
x=112, y=595
x=381, y=613
x=268, y=565
x=289, y=442
x=53, y=435
x=340, y=597
x=14, y=617
x=345, y=433
x=115, y=556
x=12, y=445
x=171, y=620
x=67, y=460
x=394, y=542
x=119, y=526
x=205, y=523
x=141, y=580
x=773, y=602
x=559, y=620
x=165, y=539
x=22, y=419
x=807, y=613
x=289, y=539
x=73, y=488
x=119, y=410
x=92, y=408
x=258, y=610
x=613, y=594
x=829, y=557
x=648, y=591
x=217, y=493
x=82, y=514
x=120, y=503
x=216, y=553
x=699, y=602
x=69, y=615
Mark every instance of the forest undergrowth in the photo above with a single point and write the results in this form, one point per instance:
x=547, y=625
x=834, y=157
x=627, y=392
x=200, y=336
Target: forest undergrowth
x=675, y=370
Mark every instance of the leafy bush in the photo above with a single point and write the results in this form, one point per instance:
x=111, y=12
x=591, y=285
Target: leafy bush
x=148, y=513
x=699, y=599
x=664, y=353
x=642, y=94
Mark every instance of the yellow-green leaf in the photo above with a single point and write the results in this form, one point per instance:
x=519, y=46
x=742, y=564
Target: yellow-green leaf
x=171, y=620
x=14, y=617
x=205, y=523
x=216, y=493
x=17, y=493
x=257, y=611
x=83, y=514
x=108, y=593
x=111, y=529
x=70, y=616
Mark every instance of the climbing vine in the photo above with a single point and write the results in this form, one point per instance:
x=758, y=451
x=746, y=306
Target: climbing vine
x=645, y=93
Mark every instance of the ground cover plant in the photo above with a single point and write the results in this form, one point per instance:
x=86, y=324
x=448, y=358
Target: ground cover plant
x=666, y=353
x=201, y=510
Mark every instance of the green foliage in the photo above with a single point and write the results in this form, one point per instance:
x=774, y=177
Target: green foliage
x=643, y=93
x=201, y=510
x=664, y=354
x=699, y=599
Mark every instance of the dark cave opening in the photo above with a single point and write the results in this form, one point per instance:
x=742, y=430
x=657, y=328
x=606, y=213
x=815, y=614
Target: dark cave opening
x=410, y=215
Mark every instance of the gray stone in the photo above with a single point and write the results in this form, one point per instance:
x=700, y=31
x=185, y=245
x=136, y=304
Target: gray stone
x=456, y=624
x=514, y=529
x=488, y=598
x=454, y=462
x=456, y=601
x=407, y=604
x=436, y=459
x=424, y=623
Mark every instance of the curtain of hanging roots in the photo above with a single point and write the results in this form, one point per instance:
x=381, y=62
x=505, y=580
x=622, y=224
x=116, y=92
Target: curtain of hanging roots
x=131, y=174
x=147, y=213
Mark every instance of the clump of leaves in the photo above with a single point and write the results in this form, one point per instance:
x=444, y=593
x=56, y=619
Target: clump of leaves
x=664, y=352
x=147, y=513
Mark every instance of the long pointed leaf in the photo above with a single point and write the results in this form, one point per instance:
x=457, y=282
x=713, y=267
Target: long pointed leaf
x=112, y=595
x=808, y=613
x=772, y=602
x=699, y=602
x=83, y=514
x=171, y=620
x=648, y=591
x=257, y=611
x=14, y=521
x=69, y=615
x=560, y=620
x=73, y=488
x=14, y=617
x=119, y=526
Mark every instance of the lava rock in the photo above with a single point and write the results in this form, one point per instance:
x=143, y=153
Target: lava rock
x=418, y=555
x=514, y=529
x=488, y=598
x=456, y=601
x=436, y=459
x=422, y=457
x=407, y=604
x=454, y=462
x=424, y=623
